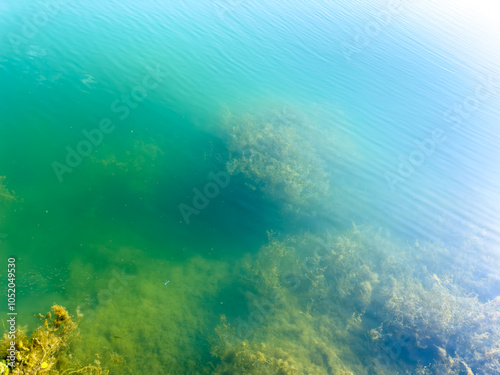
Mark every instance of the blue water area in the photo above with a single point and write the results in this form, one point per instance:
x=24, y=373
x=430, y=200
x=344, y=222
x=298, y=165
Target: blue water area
x=317, y=183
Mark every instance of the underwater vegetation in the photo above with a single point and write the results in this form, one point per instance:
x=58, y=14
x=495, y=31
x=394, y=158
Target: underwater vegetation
x=274, y=354
x=5, y=195
x=284, y=331
x=131, y=318
x=140, y=163
x=7, y=200
x=360, y=301
x=276, y=158
x=349, y=302
x=288, y=341
x=46, y=350
x=142, y=156
x=450, y=324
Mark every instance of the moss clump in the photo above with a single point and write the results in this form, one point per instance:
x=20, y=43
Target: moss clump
x=276, y=158
x=46, y=350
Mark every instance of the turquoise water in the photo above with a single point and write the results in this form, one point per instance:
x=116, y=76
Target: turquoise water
x=371, y=128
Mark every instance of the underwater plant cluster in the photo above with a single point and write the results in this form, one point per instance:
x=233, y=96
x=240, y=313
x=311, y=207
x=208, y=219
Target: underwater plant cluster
x=276, y=158
x=45, y=351
x=399, y=312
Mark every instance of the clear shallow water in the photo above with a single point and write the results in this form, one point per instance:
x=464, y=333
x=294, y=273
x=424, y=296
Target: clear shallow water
x=397, y=108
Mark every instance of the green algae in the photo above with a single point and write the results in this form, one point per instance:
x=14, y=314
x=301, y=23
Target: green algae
x=142, y=321
x=276, y=158
x=285, y=332
x=46, y=351
x=450, y=329
x=5, y=194
x=366, y=297
x=348, y=302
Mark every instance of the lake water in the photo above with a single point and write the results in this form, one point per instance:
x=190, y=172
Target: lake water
x=241, y=187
